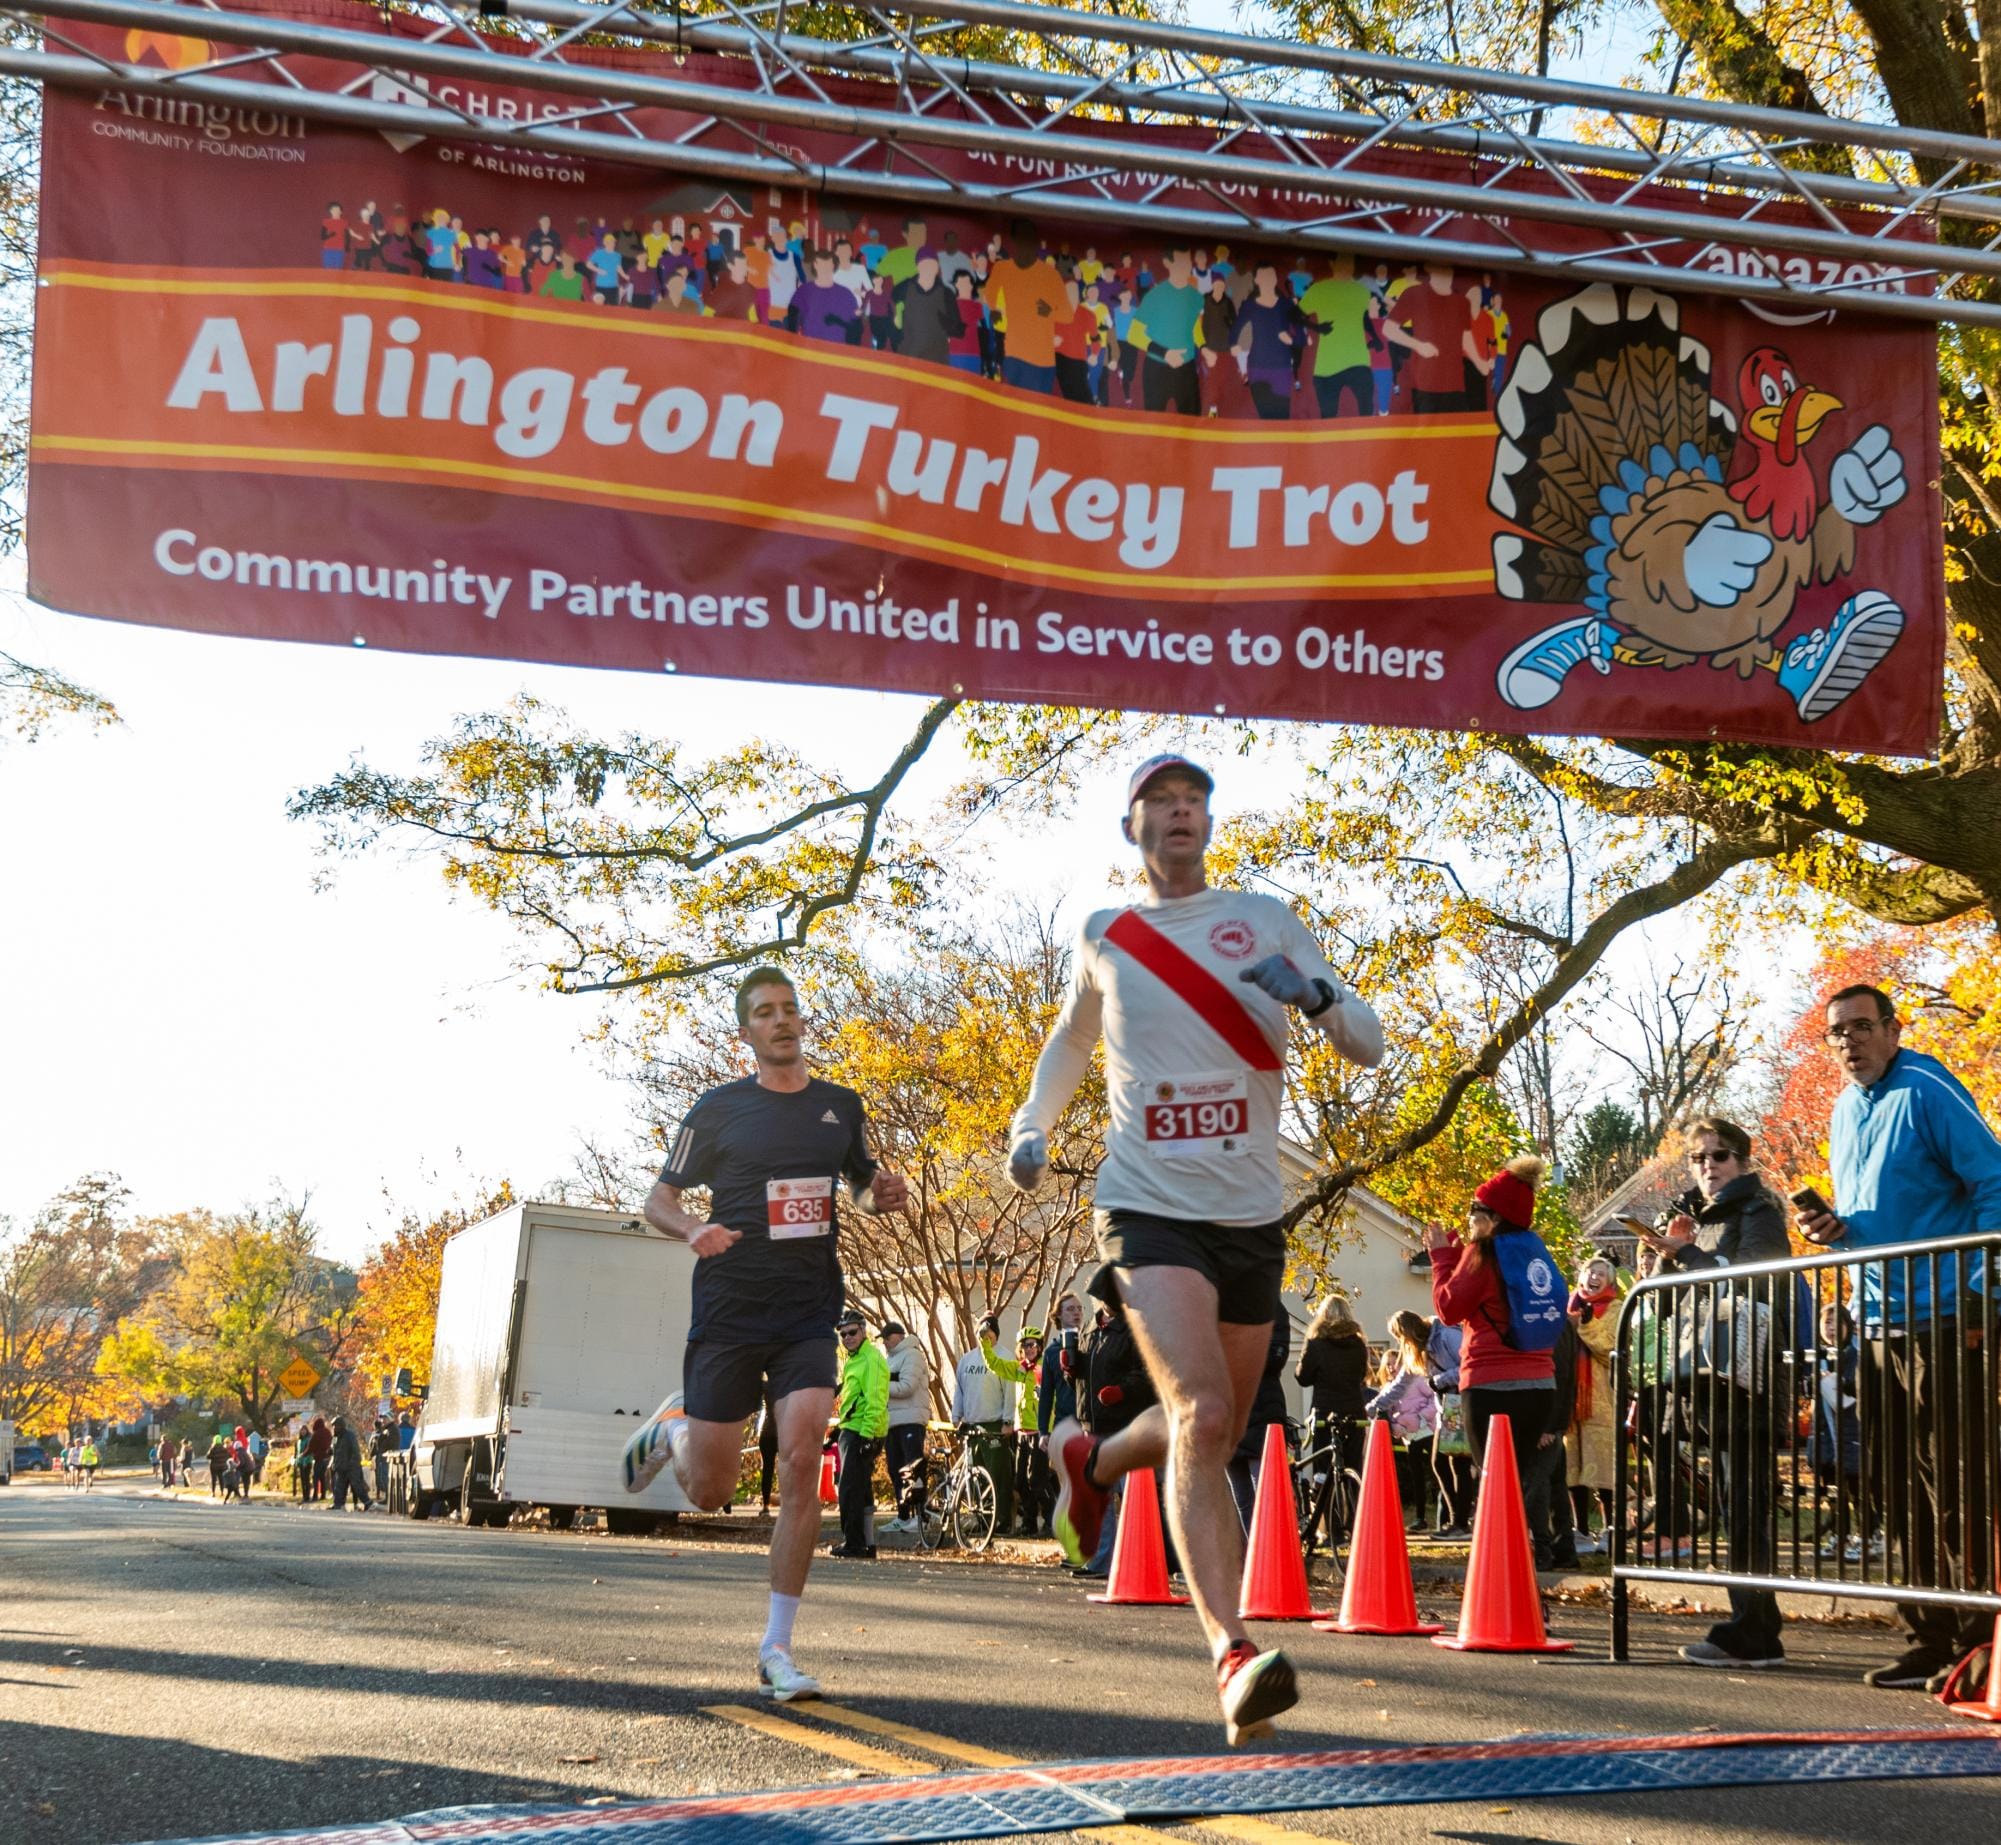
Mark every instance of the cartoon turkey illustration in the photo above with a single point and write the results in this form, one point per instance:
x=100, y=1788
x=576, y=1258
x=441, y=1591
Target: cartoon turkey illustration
x=1682, y=529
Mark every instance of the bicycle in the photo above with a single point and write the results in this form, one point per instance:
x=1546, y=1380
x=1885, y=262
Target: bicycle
x=1326, y=1491
x=961, y=1500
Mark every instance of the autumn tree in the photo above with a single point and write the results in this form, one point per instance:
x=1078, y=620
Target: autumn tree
x=245, y=1294
x=34, y=697
x=65, y=1279
x=398, y=1286
x=637, y=863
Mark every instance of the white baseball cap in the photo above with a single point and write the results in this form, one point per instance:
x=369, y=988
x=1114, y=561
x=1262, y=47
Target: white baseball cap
x=1159, y=765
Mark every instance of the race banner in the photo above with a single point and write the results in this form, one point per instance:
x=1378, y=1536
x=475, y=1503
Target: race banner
x=312, y=382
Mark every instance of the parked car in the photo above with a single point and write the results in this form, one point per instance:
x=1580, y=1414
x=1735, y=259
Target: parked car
x=32, y=1457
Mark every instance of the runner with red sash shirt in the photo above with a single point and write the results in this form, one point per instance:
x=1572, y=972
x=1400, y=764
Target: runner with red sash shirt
x=1191, y=991
x=770, y=1150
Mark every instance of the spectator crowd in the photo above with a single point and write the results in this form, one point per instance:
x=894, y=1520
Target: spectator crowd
x=1850, y=1396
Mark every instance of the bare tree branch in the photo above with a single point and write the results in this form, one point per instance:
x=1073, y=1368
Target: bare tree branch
x=1688, y=879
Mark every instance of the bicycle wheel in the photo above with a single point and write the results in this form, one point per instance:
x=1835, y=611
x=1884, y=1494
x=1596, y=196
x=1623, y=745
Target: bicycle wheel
x=1344, y=1501
x=936, y=1518
x=973, y=1516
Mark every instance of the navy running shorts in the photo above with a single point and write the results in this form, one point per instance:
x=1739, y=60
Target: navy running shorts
x=725, y=1382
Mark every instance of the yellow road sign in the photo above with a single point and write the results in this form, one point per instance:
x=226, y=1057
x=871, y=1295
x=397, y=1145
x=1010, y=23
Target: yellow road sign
x=298, y=1377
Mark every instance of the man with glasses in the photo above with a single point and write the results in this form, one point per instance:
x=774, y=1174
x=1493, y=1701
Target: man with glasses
x=862, y=1417
x=1912, y=1160
x=1731, y=1219
x=770, y=1150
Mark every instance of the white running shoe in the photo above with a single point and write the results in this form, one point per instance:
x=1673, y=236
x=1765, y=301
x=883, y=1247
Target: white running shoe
x=781, y=1681
x=651, y=1446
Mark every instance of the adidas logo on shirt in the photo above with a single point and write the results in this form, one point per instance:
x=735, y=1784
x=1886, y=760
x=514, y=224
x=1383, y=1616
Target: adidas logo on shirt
x=831, y=1116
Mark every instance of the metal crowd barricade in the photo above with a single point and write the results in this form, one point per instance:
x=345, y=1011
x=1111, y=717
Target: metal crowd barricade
x=1735, y=1417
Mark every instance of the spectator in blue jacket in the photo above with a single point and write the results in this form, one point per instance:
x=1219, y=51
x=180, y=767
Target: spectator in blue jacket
x=1912, y=1160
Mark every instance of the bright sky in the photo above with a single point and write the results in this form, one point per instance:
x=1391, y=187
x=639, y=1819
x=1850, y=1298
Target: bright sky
x=187, y=1008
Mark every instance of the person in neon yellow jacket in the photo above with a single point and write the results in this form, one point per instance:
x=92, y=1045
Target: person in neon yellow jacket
x=861, y=1414
x=1033, y=1501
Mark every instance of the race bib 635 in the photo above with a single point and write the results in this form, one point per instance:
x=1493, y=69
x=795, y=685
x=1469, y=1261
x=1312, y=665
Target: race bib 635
x=799, y=1207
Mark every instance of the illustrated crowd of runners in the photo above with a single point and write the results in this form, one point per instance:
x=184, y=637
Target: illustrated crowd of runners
x=1191, y=991
x=1180, y=329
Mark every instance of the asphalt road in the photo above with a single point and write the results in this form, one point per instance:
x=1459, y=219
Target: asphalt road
x=177, y=1670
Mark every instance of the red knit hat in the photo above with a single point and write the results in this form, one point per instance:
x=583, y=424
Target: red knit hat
x=1510, y=1193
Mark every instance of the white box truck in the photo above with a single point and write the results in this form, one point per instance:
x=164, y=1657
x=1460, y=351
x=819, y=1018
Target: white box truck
x=558, y=1328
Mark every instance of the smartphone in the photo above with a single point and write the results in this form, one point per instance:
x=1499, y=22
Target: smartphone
x=1807, y=1199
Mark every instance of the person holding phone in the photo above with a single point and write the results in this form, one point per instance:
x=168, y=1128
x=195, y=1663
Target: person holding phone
x=1056, y=1399
x=1732, y=1218
x=1912, y=1159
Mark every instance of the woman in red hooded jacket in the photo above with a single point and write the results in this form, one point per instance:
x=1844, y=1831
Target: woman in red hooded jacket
x=1495, y=1379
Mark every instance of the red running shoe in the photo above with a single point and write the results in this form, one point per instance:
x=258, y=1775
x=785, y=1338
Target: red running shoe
x=1080, y=1507
x=1256, y=1687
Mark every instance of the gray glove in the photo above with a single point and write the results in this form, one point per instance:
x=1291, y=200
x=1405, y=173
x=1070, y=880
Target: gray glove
x=1028, y=1160
x=1286, y=984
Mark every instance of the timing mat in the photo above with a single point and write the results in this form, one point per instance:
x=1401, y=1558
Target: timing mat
x=1068, y=1796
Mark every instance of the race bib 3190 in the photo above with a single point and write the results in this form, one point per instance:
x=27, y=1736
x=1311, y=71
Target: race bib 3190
x=1197, y=1117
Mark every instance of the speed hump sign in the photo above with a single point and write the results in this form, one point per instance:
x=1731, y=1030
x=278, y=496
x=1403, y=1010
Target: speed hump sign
x=298, y=1378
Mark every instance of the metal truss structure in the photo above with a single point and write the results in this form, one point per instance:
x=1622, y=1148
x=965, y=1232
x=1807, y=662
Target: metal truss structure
x=1102, y=119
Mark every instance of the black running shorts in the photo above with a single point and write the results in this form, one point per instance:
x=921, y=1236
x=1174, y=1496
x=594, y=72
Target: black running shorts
x=725, y=1383
x=1244, y=1263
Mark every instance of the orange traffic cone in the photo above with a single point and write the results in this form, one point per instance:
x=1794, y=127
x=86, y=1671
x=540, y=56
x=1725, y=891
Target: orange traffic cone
x=1987, y=1709
x=1139, y=1552
x=828, y=1492
x=1502, y=1611
x=1378, y=1597
x=1275, y=1566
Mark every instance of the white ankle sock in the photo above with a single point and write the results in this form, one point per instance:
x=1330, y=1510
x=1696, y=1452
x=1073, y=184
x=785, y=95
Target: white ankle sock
x=778, y=1625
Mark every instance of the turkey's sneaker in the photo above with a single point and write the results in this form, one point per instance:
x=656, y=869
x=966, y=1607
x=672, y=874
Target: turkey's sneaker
x=1256, y=1687
x=652, y=1445
x=781, y=1681
x=1080, y=1506
x=1534, y=673
x=1821, y=669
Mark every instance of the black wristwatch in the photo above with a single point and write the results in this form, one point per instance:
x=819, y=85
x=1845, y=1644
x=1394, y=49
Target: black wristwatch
x=1327, y=998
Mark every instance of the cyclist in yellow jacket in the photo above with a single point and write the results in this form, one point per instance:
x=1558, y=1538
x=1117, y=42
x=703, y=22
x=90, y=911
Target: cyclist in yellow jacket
x=1033, y=1500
